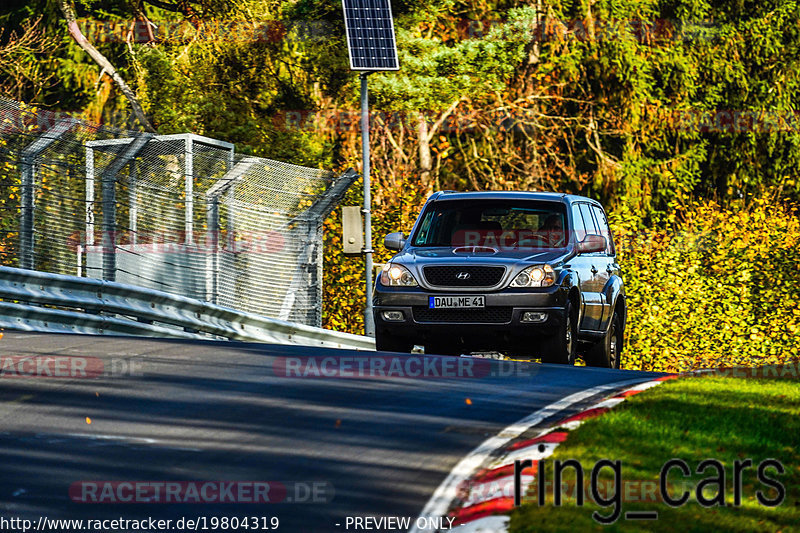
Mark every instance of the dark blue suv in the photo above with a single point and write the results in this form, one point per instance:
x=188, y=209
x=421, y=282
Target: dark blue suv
x=528, y=274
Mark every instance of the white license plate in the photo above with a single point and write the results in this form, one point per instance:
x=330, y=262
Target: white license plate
x=456, y=302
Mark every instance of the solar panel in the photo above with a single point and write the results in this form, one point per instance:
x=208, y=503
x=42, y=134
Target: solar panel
x=370, y=35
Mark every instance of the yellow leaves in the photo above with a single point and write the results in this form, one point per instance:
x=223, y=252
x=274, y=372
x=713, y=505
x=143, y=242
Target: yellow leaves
x=720, y=289
x=343, y=283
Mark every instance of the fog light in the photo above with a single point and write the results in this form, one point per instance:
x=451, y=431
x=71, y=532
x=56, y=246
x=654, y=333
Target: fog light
x=393, y=316
x=533, y=316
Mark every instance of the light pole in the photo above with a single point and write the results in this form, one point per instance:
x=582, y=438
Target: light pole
x=372, y=47
x=369, y=323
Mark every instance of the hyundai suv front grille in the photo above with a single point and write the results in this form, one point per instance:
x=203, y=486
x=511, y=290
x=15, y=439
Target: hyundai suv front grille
x=463, y=276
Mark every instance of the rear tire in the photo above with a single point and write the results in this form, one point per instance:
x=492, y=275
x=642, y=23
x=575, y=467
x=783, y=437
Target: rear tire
x=560, y=348
x=390, y=343
x=606, y=353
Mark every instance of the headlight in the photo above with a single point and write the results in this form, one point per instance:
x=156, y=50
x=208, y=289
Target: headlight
x=394, y=275
x=535, y=276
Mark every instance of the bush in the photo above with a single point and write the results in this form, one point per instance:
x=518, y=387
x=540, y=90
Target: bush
x=719, y=288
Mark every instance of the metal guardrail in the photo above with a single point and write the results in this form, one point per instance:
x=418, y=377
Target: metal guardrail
x=107, y=307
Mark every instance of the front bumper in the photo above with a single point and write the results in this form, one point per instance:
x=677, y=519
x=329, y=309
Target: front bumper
x=498, y=326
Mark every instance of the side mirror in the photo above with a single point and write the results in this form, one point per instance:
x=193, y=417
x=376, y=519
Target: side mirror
x=394, y=241
x=592, y=243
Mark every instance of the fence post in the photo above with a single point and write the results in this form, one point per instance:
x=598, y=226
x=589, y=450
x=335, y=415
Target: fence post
x=231, y=229
x=28, y=159
x=188, y=170
x=89, y=239
x=308, y=272
x=133, y=199
x=109, y=181
x=212, y=249
x=26, y=222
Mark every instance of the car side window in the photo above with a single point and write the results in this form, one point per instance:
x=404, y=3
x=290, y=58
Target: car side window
x=425, y=226
x=577, y=221
x=588, y=221
x=600, y=216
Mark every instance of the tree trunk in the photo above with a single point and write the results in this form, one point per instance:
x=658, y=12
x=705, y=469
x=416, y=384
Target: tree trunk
x=425, y=135
x=100, y=59
x=425, y=159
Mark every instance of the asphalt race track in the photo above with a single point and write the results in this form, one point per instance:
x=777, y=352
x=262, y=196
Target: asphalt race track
x=167, y=410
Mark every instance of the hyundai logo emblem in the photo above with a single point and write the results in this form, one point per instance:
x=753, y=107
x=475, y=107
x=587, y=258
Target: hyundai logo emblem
x=463, y=275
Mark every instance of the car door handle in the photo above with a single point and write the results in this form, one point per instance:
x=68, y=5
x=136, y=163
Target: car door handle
x=594, y=270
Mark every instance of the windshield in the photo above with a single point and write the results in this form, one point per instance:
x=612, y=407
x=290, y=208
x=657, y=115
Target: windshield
x=495, y=224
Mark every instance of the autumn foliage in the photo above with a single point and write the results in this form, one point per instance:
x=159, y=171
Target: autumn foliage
x=719, y=288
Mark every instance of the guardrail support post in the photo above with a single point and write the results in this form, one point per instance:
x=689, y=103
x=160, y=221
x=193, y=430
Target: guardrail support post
x=109, y=181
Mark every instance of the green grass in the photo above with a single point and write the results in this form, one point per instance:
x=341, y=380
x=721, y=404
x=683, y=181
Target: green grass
x=693, y=419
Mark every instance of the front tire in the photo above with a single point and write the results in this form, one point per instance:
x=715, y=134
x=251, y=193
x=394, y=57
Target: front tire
x=560, y=348
x=606, y=353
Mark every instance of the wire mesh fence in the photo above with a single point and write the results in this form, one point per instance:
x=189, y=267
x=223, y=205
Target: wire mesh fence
x=179, y=213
